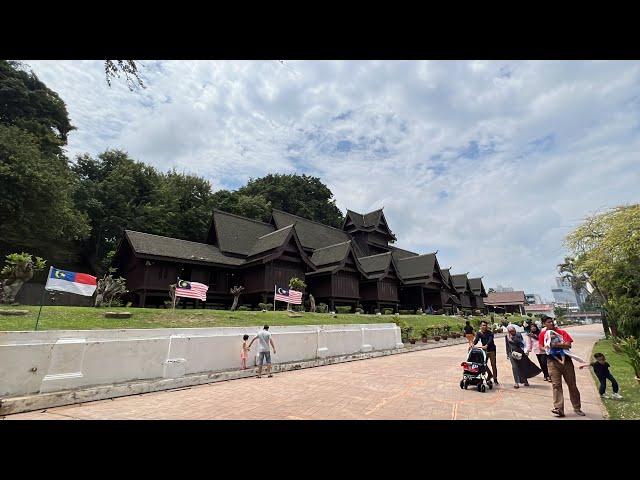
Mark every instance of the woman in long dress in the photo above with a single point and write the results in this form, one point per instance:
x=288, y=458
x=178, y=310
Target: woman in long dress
x=521, y=366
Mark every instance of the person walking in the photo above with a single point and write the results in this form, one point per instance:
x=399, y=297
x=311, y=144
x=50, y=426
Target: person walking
x=469, y=333
x=485, y=336
x=521, y=366
x=561, y=369
x=601, y=369
x=531, y=344
x=264, y=350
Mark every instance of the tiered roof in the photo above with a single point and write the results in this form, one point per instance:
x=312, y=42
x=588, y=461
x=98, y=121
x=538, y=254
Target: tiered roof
x=234, y=241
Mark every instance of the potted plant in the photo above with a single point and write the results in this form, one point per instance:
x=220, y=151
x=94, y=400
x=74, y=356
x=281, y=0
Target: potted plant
x=412, y=340
x=436, y=333
x=424, y=333
x=445, y=332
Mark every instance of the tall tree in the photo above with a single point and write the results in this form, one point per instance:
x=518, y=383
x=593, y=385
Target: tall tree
x=116, y=193
x=606, y=248
x=301, y=195
x=27, y=103
x=256, y=207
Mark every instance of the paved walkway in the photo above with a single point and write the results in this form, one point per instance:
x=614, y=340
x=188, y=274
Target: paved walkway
x=417, y=385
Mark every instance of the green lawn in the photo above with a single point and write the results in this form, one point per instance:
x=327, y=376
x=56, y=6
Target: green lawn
x=629, y=407
x=88, y=318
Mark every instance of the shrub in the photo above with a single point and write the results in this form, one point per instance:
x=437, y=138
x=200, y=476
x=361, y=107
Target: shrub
x=630, y=347
x=388, y=311
x=425, y=332
x=359, y=310
x=244, y=308
x=406, y=330
x=265, y=306
x=406, y=312
x=343, y=309
x=322, y=308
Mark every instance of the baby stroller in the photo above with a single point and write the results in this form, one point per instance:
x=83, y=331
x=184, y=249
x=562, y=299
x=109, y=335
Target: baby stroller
x=476, y=371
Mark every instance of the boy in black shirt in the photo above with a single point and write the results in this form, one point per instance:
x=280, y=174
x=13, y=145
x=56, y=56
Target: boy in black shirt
x=601, y=369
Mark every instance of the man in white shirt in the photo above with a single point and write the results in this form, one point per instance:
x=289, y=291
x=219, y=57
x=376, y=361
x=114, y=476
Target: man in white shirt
x=264, y=351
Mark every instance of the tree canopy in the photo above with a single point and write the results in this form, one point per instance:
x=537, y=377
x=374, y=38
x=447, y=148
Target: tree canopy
x=301, y=195
x=606, y=250
x=76, y=212
x=27, y=103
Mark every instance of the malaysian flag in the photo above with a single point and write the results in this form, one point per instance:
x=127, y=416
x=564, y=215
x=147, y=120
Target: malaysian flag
x=288, y=295
x=191, y=290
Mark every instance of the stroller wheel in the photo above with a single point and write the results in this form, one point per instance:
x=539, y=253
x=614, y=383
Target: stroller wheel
x=466, y=385
x=483, y=389
x=490, y=385
x=480, y=387
x=461, y=383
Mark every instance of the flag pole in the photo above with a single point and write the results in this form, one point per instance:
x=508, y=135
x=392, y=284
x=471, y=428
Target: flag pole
x=274, y=297
x=40, y=311
x=42, y=298
x=174, y=294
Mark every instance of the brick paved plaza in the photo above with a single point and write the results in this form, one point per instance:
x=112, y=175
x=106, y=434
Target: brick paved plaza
x=418, y=385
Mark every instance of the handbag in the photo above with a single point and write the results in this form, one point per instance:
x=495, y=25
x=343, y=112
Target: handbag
x=516, y=355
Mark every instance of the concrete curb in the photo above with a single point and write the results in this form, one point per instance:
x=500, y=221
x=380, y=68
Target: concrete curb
x=12, y=405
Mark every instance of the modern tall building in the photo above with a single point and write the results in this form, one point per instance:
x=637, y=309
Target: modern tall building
x=501, y=289
x=563, y=294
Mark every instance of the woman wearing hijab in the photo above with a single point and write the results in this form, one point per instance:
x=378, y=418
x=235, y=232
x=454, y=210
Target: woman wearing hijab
x=522, y=367
x=532, y=344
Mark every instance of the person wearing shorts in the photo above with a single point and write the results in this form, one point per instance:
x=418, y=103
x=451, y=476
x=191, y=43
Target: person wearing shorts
x=264, y=350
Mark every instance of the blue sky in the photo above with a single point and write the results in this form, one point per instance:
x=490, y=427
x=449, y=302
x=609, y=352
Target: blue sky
x=489, y=162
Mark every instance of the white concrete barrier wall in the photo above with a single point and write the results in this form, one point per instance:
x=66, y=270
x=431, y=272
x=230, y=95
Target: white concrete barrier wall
x=54, y=360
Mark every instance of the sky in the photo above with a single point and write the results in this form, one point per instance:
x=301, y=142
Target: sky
x=491, y=163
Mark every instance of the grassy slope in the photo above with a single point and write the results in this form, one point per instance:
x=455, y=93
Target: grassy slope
x=87, y=318
x=629, y=407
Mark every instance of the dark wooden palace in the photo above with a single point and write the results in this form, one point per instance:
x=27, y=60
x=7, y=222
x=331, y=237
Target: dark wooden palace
x=354, y=266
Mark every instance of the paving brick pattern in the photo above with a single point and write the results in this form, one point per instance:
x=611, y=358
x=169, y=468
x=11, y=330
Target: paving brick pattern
x=417, y=385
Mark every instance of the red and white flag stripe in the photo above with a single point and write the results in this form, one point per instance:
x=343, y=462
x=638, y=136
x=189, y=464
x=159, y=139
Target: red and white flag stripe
x=288, y=295
x=192, y=290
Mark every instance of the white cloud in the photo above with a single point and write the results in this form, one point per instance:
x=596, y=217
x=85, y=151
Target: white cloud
x=491, y=163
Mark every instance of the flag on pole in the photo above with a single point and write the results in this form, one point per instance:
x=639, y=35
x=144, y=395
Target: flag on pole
x=72, y=282
x=191, y=290
x=288, y=295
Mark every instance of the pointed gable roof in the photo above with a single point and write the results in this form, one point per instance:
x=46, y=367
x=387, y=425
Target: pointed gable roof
x=234, y=234
x=368, y=222
x=271, y=240
x=477, y=287
x=333, y=258
x=378, y=266
x=461, y=283
x=419, y=269
x=446, y=277
x=272, y=244
x=330, y=255
x=399, y=253
x=312, y=235
x=146, y=244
